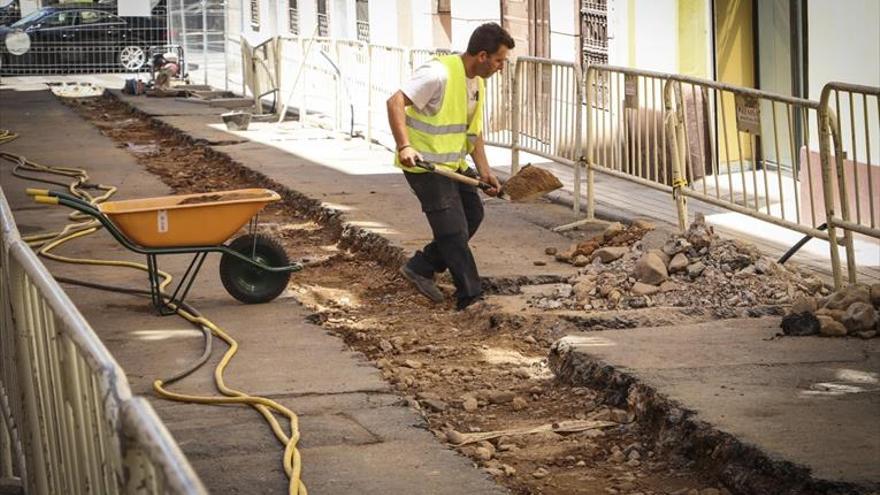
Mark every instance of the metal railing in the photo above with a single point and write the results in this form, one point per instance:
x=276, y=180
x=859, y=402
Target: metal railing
x=744, y=150
x=546, y=114
x=849, y=121
x=71, y=424
x=200, y=27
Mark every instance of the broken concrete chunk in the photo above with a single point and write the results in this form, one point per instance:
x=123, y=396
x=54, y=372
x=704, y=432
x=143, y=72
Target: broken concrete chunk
x=642, y=289
x=860, y=317
x=829, y=327
x=650, y=269
x=678, y=263
x=845, y=297
x=804, y=304
x=609, y=254
x=551, y=251
x=694, y=270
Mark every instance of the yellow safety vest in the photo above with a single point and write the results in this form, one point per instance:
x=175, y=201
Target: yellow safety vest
x=446, y=138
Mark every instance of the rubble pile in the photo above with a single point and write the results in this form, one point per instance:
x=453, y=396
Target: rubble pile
x=623, y=268
x=853, y=311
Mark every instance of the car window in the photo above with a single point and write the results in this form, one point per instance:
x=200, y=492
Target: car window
x=96, y=17
x=28, y=19
x=59, y=19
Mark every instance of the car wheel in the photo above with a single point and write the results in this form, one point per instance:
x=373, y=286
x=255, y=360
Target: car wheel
x=132, y=57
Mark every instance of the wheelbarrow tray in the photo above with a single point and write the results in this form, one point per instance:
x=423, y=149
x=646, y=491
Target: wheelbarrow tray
x=185, y=220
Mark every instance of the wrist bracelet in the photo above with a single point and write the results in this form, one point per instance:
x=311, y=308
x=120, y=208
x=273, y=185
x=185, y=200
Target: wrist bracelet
x=401, y=148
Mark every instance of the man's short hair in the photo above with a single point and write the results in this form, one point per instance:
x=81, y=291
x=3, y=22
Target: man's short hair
x=488, y=38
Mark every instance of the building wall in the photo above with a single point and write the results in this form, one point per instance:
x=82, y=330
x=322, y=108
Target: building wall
x=467, y=15
x=565, y=30
x=383, y=22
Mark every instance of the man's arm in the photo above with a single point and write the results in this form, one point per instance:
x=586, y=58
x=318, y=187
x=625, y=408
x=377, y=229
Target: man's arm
x=397, y=120
x=479, y=156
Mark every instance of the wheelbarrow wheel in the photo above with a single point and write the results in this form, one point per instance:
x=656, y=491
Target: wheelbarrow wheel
x=247, y=282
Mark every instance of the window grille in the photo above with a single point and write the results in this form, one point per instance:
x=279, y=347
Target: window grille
x=323, y=19
x=594, y=44
x=255, y=13
x=363, y=20
x=293, y=17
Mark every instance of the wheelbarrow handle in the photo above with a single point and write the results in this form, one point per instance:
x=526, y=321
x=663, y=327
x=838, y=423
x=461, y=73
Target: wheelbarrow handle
x=454, y=175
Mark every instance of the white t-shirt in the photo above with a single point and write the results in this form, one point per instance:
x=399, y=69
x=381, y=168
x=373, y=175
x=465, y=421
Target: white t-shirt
x=428, y=84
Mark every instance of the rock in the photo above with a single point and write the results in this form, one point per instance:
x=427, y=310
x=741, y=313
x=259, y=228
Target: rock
x=837, y=314
x=500, y=396
x=830, y=327
x=508, y=470
x=567, y=255
x=875, y=294
x=539, y=263
x=435, y=405
x=586, y=248
x=710, y=491
x=642, y=289
x=669, y=286
x=583, y=289
x=483, y=453
x=519, y=404
x=800, y=324
x=860, y=317
x=455, y=437
x=694, y=270
x=530, y=339
x=580, y=260
x=700, y=234
x=765, y=267
x=870, y=334
x=550, y=251
x=675, y=246
x=678, y=263
x=660, y=254
x=617, y=456
x=804, y=304
x=470, y=404
x=540, y=473
x=614, y=298
x=845, y=297
x=619, y=416
x=650, y=269
x=612, y=230
x=609, y=254
x=412, y=363
x=385, y=346
x=643, y=224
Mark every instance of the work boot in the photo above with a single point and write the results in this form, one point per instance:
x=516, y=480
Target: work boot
x=465, y=302
x=424, y=285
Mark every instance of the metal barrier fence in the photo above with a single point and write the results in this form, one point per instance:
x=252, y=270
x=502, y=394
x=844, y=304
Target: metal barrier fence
x=626, y=128
x=849, y=120
x=71, y=424
x=83, y=38
x=546, y=114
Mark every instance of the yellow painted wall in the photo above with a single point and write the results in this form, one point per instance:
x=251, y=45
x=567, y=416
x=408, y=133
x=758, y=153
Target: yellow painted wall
x=693, y=38
x=735, y=63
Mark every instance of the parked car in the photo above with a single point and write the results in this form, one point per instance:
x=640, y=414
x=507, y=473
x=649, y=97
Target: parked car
x=74, y=38
x=9, y=12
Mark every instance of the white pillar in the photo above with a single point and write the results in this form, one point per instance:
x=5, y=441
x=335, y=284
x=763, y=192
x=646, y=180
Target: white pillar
x=467, y=15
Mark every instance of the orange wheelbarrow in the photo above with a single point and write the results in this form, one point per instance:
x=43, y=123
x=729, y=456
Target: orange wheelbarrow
x=253, y=267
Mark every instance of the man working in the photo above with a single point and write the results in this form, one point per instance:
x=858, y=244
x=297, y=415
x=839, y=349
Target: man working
x=437, y=116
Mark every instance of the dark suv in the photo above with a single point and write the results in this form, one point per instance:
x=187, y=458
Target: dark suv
x=80, y=38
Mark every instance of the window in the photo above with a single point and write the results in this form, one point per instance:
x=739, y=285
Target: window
x=94, y=17
x=363, y=20
x=323, y=19
x=255, y=13
x=60, y=19
x=443, y=6
x=594, y=47
x=293, y=17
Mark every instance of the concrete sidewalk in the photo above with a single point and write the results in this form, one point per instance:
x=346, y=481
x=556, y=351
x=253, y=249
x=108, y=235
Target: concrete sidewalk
x=357, y=437
x=810, y=401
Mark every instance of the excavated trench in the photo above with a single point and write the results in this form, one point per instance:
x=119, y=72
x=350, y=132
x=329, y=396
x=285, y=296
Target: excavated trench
x=480, y=370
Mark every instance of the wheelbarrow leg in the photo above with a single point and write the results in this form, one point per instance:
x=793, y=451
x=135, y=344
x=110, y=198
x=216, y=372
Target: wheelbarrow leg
x=165, y=308
x=189, y=277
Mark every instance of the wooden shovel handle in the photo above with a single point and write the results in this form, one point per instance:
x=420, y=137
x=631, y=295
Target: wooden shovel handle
x=453, y=175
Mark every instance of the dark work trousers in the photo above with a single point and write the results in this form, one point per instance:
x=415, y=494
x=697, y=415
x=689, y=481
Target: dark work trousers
x=454, y=211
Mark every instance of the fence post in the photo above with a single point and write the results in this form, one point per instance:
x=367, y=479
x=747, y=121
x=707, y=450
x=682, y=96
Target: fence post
x=578, y=139
x=303, y=68
x=674, y=123
x=589, y=144
x=515, y=115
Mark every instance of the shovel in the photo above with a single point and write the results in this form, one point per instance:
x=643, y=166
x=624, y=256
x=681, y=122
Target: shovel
x=529, y=183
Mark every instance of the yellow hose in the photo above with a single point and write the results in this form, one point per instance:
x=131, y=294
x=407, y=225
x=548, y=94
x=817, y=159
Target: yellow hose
x=45, y=243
